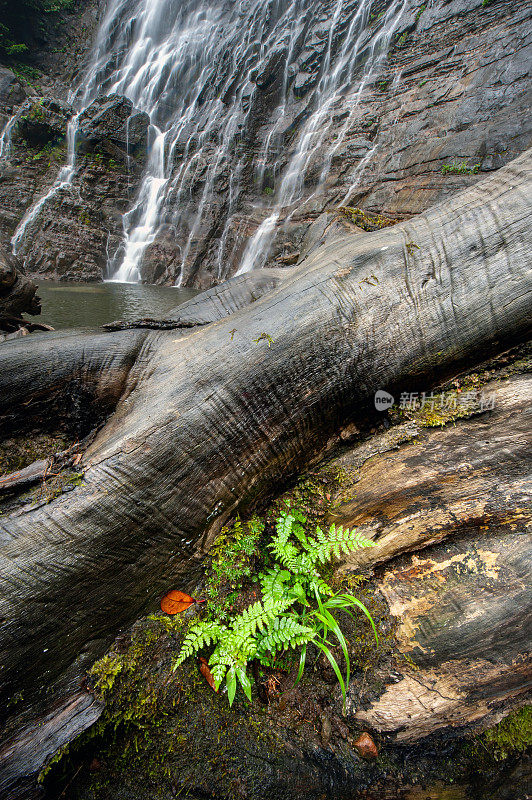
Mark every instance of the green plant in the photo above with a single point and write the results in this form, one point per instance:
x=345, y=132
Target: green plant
x=264, y=337
x=231, y=560
x=19, y=18
x=510, y=736
x=460, y=168
x=268, y=190
x=366, y=220
x=298, y=607
x=419, y=12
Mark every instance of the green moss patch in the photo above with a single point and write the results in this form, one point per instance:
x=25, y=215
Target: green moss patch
x=366, y=219
x=513, y=735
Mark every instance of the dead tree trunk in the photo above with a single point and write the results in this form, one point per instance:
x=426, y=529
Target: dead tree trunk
x=209, y=418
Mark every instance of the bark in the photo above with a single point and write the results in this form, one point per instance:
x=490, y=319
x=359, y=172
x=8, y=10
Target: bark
x=210, y=418
x=18, y=295
x=461, y=499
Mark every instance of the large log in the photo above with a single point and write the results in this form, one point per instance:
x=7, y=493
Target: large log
x=459, y=499
x=210, y=418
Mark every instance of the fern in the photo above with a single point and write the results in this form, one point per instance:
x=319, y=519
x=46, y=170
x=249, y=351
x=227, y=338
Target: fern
x=201, y=634
x=339, y=540
x=285, y=632
x=298, y=607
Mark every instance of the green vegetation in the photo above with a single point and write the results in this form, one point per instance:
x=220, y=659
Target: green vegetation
x=419, y=12
x=297, y=606
x=511, y=736
x=36, y=112
x=365, y=219
x=264, y=337
x=460, y=168
x=231, y=563
x=15, y=18
x=268, y=190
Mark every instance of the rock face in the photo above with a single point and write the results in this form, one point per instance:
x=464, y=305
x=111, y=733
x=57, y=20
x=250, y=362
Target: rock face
x=110, y=126
x=80, y=222
x=450, y=102
x=11, y=91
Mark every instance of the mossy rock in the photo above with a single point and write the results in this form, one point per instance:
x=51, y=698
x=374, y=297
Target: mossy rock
x=367, y=220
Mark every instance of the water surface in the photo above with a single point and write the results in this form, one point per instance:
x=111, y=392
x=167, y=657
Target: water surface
x=89, y=305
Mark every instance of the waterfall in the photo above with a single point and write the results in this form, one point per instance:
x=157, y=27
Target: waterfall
x=5, y=136
x=337, y=79
x=63, y=181
x=199, y=69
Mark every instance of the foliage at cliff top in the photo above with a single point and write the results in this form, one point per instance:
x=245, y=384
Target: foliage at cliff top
x=15, y=16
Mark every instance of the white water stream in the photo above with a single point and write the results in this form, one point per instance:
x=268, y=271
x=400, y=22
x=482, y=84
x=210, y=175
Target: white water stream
x=193, y=67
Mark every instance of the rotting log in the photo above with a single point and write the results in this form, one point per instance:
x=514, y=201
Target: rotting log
x=450, y=514
x=210, y=418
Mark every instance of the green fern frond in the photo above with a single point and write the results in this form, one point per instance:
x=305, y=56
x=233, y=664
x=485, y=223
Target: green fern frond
x=257, y=616
x=338, y=541
x=287, y=616
x=201, y=634
x=283, y=633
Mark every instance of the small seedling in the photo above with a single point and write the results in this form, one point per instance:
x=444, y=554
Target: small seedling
x=266, y=337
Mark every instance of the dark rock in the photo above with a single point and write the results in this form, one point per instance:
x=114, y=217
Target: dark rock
x=43, y=122
x=161, y=258
x=303, y=82
x=288, y=259
x=110, y=124
x=12, y=92
x=273, y=69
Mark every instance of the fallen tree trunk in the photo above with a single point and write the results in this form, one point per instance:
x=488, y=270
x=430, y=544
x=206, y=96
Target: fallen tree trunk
x=209, y=418
x=459, y=499
x=454, y=641
x=18, y=295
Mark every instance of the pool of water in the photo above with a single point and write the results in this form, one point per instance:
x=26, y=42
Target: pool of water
x=89, y=305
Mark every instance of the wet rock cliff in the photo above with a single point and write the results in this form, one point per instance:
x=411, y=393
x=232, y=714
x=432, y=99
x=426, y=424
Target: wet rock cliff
x=441, y=97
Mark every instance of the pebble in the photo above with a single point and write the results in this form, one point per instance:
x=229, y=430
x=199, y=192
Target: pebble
x=365, y=746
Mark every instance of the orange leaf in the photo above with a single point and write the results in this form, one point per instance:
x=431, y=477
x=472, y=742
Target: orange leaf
x=174, y=602
x=207, y=674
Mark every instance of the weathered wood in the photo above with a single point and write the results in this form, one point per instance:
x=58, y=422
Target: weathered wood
x=208, y=419
x=43, y=468
x=461, y=498
x=9, y=322
x=476, y=471
x=214, y=304
x=18, y=294
x=16, y=481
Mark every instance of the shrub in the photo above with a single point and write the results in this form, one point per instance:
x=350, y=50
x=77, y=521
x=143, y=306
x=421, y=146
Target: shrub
x=460, y=168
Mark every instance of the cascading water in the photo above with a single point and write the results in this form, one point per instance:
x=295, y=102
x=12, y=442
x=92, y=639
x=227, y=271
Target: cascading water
x=217, y=81
x=5, y=136
x=64, y=179
x=337, y=79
